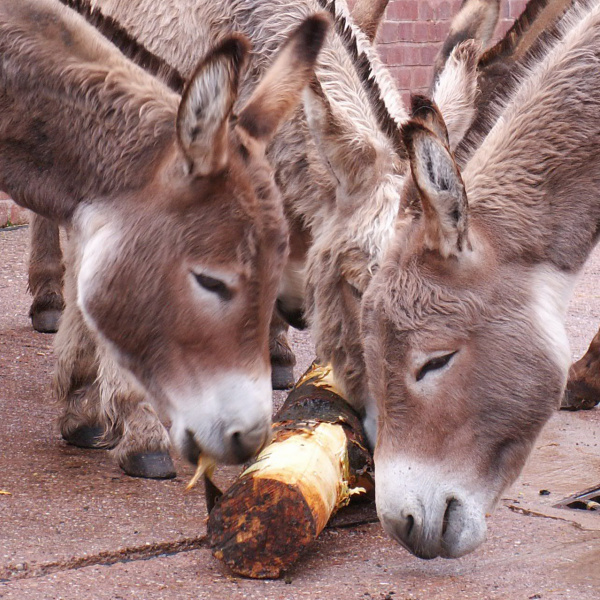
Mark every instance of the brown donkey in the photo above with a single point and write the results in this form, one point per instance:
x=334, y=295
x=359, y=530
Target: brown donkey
x=465, y=341
x=320, y=187
x=177, y=232
x=496, y=80
x=45, y=264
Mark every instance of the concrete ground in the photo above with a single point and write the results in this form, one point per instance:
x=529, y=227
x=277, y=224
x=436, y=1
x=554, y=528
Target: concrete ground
x=72, y=526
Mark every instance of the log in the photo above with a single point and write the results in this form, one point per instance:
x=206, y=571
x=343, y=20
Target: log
x=317, y=461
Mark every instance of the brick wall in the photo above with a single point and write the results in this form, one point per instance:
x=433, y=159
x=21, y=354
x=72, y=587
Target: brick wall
x=409, y=38
x=10, y=213
x=408, y=41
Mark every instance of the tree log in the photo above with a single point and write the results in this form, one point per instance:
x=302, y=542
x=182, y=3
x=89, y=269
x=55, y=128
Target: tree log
x=281, y=503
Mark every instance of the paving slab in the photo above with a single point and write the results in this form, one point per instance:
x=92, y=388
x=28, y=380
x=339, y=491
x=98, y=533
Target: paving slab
x=72, y=526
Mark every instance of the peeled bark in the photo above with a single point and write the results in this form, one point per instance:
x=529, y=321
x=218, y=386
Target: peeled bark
x=281, y=503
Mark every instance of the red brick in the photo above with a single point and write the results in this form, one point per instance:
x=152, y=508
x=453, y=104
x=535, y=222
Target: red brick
x=439, y=31
x=402, y=76
x=405, y=31
x=403, y=10
x=412, y=54
x=428, y=53
x=393, y=54
x=410, y=38
x=11, y=214
x=443, y=11
x=420, y=79
x=388, y=33
x=421, y=31
x=426, y=10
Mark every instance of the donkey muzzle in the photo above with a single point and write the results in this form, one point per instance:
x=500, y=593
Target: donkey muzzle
x=428, y=516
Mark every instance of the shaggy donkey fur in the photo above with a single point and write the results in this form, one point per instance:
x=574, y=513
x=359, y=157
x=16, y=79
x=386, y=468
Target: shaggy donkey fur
x=176, y=297
x=498, y=70
x=319, y=181
x=464, y=323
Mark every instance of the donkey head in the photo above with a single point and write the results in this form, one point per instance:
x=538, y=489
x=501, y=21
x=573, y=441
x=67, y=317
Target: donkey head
x=457, y=359
x=352, y=234
x=180, y=278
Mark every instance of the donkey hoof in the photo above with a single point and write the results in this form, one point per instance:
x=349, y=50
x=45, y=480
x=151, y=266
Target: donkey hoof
x=151, y=465
x=282, y=377
x=86, y=436
x=46, y=321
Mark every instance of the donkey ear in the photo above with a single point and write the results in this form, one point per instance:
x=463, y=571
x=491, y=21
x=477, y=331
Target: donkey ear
x=441, y=190
x=455, y=90
x=279, y=92
x=476, y=20
x=368, y=14
x=424, y=110
x=202, y=119
x=348, y=156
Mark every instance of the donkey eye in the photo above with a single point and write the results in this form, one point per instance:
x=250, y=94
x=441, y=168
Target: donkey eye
x=434, y=364
x=216, y=286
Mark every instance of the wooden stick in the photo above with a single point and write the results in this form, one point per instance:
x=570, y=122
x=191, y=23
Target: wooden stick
x=281, y=503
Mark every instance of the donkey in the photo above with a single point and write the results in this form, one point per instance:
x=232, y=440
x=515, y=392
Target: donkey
x=46, y=270
x=464, y=331
x=315, y=168
x=495, y=81
x=178, y=294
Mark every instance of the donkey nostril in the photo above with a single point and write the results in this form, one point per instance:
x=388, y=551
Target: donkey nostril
x=451, y=505
x=410, y=523
x=242, y=449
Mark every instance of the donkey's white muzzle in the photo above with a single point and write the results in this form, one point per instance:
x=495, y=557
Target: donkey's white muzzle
x=427, y=514
x=230, y=420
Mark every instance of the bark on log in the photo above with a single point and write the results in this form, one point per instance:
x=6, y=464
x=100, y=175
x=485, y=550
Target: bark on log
x=279, y=505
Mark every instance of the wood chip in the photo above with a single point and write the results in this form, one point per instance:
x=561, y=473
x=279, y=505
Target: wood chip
x=206, y=466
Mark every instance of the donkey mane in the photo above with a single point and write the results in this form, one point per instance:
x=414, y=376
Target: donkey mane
x=508, y=44
x=368, y=77
x=512, y=69
x=533, y=89
x=127, y=44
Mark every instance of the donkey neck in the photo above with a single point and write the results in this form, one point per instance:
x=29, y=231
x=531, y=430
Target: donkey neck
x=95, y=123
x=533, y=182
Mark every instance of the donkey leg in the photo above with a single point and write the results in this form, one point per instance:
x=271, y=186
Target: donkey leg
x=45, y=275
x=143, y=448
x=101, y=408
x=282, y=357
x=583, y=387
x=81, y=422
x=289, y=305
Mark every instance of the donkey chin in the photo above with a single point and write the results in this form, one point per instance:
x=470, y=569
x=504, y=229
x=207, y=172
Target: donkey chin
x=227, y=419
x=428, y=513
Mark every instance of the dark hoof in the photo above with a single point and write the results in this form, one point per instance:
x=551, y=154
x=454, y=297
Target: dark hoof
x=46, y=321
x=153, y=465
x=86, y=437
x=579, y=396
x=282, y=378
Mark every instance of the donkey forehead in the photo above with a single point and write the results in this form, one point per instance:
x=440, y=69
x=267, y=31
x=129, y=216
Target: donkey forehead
x=412, y=295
